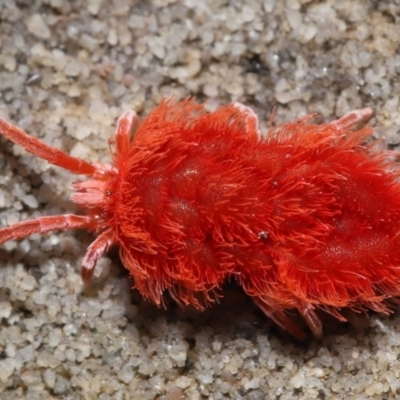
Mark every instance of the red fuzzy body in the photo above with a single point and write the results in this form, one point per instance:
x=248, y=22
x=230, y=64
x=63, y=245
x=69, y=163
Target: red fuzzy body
x=307, y=217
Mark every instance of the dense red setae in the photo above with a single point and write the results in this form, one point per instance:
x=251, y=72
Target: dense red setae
x=306, y=218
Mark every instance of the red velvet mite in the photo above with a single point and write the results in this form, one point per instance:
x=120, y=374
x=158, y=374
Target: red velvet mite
x=304, y=218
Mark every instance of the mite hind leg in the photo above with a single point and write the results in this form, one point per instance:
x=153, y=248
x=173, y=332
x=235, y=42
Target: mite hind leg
x=250, y=119
x=279, y=317
x=353, y=118
x=313, y=321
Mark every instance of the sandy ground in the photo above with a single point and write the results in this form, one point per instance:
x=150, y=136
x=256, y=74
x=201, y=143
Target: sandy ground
x=67, y=71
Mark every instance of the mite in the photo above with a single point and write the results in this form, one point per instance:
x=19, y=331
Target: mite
x=304, y=218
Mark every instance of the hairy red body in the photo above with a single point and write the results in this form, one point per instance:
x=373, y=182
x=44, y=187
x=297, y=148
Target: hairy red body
x=307, y=217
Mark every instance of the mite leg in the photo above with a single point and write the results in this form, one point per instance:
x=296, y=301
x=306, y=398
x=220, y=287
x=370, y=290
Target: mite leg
x=359, y=321
x=312, y=319
x=38, y=148
x=353, y=118
x=44, y=224
x=280, y=318
x=101, y=244
x=126, y=126
x=250, y=118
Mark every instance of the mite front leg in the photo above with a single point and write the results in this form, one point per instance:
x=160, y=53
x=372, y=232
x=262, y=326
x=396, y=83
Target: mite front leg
x=38, y=148
x=126, y=127
x=43, y=225
x=101, y=244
